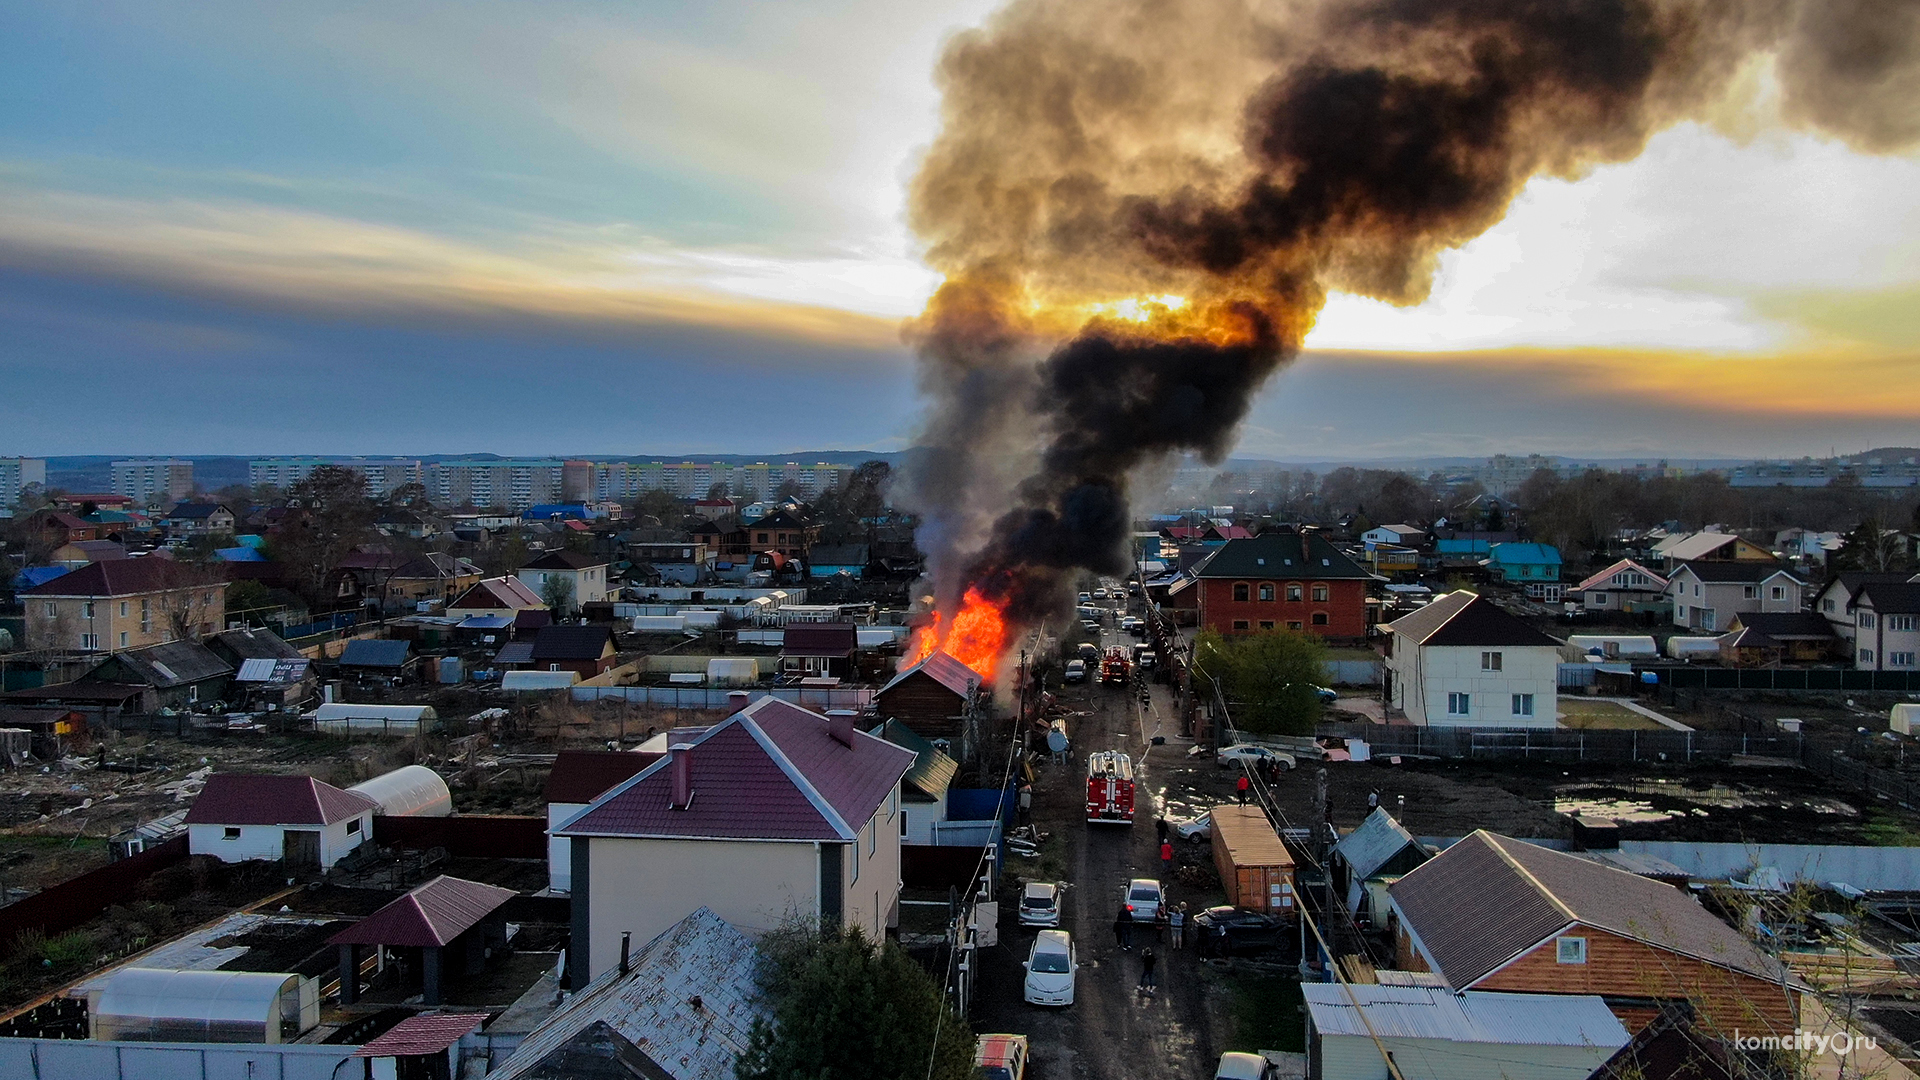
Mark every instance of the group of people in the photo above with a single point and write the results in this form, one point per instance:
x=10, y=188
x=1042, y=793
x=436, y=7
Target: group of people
x=1169, y=925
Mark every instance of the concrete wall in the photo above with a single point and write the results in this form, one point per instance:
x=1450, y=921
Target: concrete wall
x=1354, y=1057
x=1871, y=868
x=1423, y=677
x=645, y=886
x=81, y=1059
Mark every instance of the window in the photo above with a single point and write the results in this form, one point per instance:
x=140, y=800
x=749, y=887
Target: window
x=1523, y=704
x=1866, y=620
x=1320, y=594
x=873, y=839
x=123, y=609
x=1826, y=606
x=353, y=827
x=1266, y=624
x=1680, y=612
x=86, y=610
x=1696, y=590
x=52, y=609
x=1266, y=592
x=1240, y=592
x=1778, y=593
x=1866, y=656
x=1899, y=659
x=1749, y=592
x=1570, y=950
x=1319, y=618
x=1706, y=618
x=903, y=823
x=1239, y=624
x=856, y=858
x=146, y=616
x=1293, y=593
x=231, y=832
x=1294, y=625
x=89, y=642
x=1489, y=661
x=1457, y=704
x=123, y=639
x=1900, y=622
x=553, y=667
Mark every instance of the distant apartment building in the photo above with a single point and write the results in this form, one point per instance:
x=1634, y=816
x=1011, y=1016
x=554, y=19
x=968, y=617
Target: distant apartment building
x=384, y=475
x=153, y=481
x=514, y=484
x=694, y=479
x=17, y=474
x=1869, y=470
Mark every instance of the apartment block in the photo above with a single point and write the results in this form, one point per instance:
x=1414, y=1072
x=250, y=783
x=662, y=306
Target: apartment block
x=384, y=475
x=693, y=479
x=153, y=481
x=19, y=473
x=514, y=485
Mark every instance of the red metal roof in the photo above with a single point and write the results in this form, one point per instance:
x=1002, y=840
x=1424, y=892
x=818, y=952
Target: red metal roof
x=428, y=1033
x=942, y=669
x=819, y=639
x=124, y=577
x=247, y=799
x=769, y=772
x=500, y=592
x=432, y=914
x=581, y=776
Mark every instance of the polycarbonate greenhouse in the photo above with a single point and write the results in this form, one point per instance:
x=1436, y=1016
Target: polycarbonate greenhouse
x=153, y=1005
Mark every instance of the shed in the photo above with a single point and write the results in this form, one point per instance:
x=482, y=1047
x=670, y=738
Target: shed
x=239, y=817
x=923, y=791
x=1255, y=866
x=409, y=791
x=155, y=1005
x=819, y=648
x=1466, y=1036
x=176, y=675
x=428, y=1043
x=1379, y=847
x=447, y=922
x=931, y=695
x=387, y=659
x=1901, y=718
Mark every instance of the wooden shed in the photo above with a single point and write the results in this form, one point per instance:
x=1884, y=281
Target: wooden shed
x=1255, y=866
x=930, y=697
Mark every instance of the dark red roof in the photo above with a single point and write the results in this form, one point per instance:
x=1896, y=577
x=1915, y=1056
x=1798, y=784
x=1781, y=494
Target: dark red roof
x=819, y=639
x=942, y=669
x=589, y=642
x=432, y=914
x=563, y=560
x=249, y=799
x=581, y=776
x=428, y=1033
x=123, y=577
x=769, y=772
x=501, y=592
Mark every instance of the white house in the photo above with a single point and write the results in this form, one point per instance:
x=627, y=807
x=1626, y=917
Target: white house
x=1394, y=536
x=1707, y=595
x=1436, y=1034
x=775, y=813
x=923, y=792
x=1462, y=661
x=1625, y=586
x=1886, y=620
x=239, y=817
x=584, y=574
x=1835, y=600
x=578, y=778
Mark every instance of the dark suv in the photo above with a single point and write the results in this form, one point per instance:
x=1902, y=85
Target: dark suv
x=1225, y=931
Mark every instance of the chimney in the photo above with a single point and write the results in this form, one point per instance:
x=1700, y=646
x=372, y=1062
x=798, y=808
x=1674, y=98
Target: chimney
x=736, y=701
x=626, y=948
x=840, y=726
x=682, y=767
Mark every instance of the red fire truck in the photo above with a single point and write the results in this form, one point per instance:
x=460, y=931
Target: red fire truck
x=1110, y=787
x=1114, y=668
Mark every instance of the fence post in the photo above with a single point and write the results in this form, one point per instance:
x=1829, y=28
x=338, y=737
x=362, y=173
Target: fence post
x=1689, y=747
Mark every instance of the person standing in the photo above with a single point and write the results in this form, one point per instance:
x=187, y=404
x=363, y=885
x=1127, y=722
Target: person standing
x=1160, y=825
x=1240, y=789
x=1177, y=926
x=1026, y=804
x=1148, y=981
x=1373, y=800
x=1166, y=859
x=1123, y=929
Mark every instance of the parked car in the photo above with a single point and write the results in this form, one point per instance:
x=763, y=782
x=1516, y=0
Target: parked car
x=1002, y=1057
x=1147, y=660
x=1040, y=904
x=1238, y=1066
x=1086, y=598
x=1227, y=931
x=1099, y=594
x=1327, y=696
x=1143, y=899
x=1253, y=754
x=1050, y=967
x=1076, y=671
x=1091, y=627
x=1199, y=830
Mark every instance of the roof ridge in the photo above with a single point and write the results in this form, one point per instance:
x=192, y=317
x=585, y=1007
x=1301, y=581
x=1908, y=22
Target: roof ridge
x=800, y=780
x=1491, y=840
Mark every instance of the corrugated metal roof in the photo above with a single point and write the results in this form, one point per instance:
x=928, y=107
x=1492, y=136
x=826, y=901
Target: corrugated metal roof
x=588, y=642
x=431, y=914
x=1464, y=618
x=250, y=799
x=428, y=1033
x=942, y=669
x=362, y=652
x=1423, y=1012
x=932, y=770
x=175, y=663
x=1377, y=840
x=581, y=776
x=688, y=1002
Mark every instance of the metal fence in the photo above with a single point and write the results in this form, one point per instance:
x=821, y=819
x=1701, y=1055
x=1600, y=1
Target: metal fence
x=1726, y=678
x=715, y=697
x=75, y=900
x=1559, y=744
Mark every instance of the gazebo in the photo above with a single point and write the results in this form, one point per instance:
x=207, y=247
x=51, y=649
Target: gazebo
x=446, y=921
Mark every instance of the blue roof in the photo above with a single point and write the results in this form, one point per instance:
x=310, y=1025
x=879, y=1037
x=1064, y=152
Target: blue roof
x=485, y=622
x=365, y=653
x=36, y=575
x=1461, y=547
x=549, y=511
x=239, y=554
x=1525, y=553
x=251, y=540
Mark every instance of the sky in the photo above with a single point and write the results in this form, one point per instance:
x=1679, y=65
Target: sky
x=647, y=228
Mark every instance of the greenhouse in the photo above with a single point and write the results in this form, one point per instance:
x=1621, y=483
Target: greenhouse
x=153, y=1005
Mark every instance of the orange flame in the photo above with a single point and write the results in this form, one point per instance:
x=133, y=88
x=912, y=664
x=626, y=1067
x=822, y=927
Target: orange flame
x=975, y=637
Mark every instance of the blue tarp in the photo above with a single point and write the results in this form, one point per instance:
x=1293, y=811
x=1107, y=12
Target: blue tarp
x=36, y=575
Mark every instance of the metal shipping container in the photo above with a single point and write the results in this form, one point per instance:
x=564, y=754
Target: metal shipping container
x=1255, y=866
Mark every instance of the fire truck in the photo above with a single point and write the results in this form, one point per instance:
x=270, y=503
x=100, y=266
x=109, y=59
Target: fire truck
x=1110, y=787
x=1114, y=668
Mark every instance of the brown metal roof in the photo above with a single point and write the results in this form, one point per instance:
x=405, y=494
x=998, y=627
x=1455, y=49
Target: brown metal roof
x=589, y=642
x=126, y=577
x=1463, y=618
x=501, y=592
x=428, y=1033
x=1490, y=898
x=819, y=639
x=432, y=914
x=563, y=560
x=942, y=669
x=581, y=776
x=251, y=799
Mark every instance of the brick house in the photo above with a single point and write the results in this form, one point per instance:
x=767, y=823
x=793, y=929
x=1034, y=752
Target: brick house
x=1283, y=579
x=124, y=604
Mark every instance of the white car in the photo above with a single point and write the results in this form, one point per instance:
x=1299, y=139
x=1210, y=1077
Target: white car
x=1040, y=904
x=1235, y=1066
x=1254, y=754
x=1195, y=829
x=1143, y=899
x=1050, y=967
x=1099, y=594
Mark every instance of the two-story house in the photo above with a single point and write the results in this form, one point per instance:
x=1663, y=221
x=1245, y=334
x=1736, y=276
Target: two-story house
x=1886, y=622
x=1626, y=587
x=784, y=531
x=124, y=604
x=198, y=519
x=774, y=814
x=1707, y=595
x=1461, y=661
x=1678, y=548
x=1835, y=600
x=1283, y=579
x=585, y=578
x=1534, y=566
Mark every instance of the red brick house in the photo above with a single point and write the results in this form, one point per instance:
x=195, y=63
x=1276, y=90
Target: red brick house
x=1283, y=579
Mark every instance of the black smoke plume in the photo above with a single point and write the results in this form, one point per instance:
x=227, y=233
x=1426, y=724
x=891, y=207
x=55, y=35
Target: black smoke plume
x=1140, y=207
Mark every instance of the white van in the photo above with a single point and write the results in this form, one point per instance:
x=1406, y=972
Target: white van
x=1050, y=967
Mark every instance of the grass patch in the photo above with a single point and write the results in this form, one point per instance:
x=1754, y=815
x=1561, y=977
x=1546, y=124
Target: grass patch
x=1611, y=715
x=1885, y=829
x=1266, y=1013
